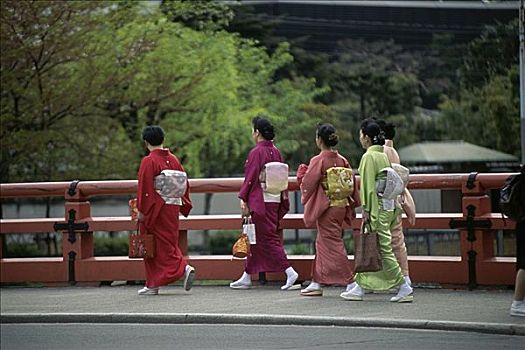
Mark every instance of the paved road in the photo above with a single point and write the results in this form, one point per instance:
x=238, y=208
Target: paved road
x=133, y=336
x=479, y=311
x=430, y=304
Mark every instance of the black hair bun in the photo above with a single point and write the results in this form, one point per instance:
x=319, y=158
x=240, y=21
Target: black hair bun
x=333, y=140
x=268, y=133
x=264, y=127
x=327, y=133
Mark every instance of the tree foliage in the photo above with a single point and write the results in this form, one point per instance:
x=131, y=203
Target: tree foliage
x=81, y=79
x=493, y=53
x=487, y=116
x=486, y=112
x=49, y=86
x=198, y=14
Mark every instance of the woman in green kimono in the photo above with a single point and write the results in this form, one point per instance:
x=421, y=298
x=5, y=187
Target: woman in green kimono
x=379, y=214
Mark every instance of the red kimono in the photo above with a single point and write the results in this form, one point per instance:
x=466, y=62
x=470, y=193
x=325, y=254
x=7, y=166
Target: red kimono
x=331, y=264
x=161, y=220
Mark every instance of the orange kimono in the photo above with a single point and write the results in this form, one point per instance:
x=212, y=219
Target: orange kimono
x=331, y=264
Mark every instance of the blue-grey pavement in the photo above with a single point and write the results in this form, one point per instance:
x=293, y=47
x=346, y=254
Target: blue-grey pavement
x=485, y=311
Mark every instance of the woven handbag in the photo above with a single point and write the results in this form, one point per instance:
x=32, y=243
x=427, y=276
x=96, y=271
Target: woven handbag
x=141, y=245
x=241, y=248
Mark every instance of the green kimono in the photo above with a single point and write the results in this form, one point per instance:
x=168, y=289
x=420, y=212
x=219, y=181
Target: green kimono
x=369, y=169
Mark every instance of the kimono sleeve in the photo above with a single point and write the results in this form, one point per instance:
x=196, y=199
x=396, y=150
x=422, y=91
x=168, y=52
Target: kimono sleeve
x=301, y=170
x=187, y=205
x=252, y=169
x=146, y=190
x=311, y=179
x=284, y=206
x=355, y=201
x=368, y=180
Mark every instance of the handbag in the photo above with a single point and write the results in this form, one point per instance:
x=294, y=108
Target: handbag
x=367, y=257
x=141, y=245
x=249, y=229
x=241, y=248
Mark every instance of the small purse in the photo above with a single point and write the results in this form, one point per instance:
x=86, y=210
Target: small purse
x=241, y=248
x=248, y=227
x=367, y=257
x=141, y=245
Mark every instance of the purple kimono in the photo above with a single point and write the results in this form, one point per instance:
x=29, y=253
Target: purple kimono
x=268, y=254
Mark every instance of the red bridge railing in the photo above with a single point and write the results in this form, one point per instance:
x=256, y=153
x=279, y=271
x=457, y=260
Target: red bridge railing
x=477, y=225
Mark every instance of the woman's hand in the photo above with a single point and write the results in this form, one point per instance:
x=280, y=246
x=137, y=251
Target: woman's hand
x=245, y=210
x=301, y=170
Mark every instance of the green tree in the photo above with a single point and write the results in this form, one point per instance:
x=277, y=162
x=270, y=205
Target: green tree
x=198, y=14
x=486, y=111
x=493, y=53
x=127, y=66
x=381, y=75
x=487, y=116
x=440, y=70
x=48, y=48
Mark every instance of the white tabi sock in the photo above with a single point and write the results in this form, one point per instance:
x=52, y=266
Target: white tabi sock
x=407, y=280
x=516, y=303
x=291, y=277
x=350, y=286
x=245, y=278
x=313, y=286
x=290, y=272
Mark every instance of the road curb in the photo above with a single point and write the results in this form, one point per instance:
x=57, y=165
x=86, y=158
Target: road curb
x=203, y=318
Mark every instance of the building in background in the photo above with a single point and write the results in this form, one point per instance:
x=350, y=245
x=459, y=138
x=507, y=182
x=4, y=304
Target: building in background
x=455, y=157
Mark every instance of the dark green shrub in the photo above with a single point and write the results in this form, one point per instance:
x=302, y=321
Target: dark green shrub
x=300, y=249
x=221, y=243
x=111, y=246
x=22, y=250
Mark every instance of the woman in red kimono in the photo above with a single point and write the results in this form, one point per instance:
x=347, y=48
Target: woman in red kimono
x=161, y=219
x=268, y=254
x=331, y=265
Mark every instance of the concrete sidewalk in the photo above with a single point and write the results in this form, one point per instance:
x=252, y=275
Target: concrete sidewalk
x=441, y=309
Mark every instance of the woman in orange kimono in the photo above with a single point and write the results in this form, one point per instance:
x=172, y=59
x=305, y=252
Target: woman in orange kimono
x=331, y=265
x=160, y=218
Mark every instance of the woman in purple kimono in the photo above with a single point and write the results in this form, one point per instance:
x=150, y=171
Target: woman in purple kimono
x=266, y=211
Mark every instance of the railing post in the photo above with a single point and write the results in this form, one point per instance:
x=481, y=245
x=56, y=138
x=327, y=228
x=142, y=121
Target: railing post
x=77, y=241
x=476, y=244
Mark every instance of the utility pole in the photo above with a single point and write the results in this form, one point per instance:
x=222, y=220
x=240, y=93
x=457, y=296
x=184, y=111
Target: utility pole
x=522, y=78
